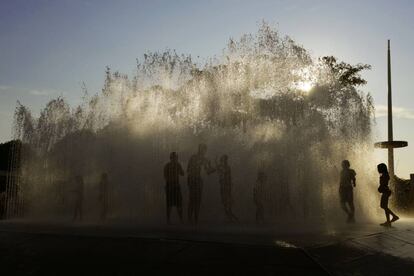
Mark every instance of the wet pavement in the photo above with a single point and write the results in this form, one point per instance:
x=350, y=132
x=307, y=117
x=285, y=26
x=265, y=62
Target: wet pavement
x=86, y=249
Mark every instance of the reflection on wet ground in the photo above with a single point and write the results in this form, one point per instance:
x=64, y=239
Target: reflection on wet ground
x=86, y=249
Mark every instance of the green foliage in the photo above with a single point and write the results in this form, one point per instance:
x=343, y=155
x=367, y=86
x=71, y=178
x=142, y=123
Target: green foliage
x=345, y=74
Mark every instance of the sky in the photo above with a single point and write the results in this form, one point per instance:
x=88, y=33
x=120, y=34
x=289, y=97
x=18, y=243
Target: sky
x=49, y=48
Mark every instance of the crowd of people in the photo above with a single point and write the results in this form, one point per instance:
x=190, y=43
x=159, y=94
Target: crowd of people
x=198, y=163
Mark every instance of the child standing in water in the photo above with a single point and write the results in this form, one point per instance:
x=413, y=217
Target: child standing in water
x=172, y=173
x=224, y=172
x=196, y=164
x=346, y=193
x=258, y=195
x=385, y=192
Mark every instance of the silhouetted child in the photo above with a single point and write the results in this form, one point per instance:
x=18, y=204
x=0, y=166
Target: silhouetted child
x=385, y=194
x=172, y=173
x=196, y=163
x=346, y=186
x=78, y=197
x=259, y=195
x=224, y=173
x=104, y=195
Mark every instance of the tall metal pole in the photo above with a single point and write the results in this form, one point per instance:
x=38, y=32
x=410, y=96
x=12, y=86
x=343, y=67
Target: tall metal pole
x=390, y=134
x=390, y=144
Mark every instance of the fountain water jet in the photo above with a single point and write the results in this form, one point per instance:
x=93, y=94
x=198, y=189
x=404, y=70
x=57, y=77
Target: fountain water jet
x=246, y=105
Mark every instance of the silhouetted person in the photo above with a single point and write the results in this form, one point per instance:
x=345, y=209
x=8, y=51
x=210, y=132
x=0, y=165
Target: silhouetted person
x=259, y=195
x=172, y=173
x=196, y=163
x=224, y=173
x=385, y=194
x=104, y=195
x=78, y=197
x=346, y=193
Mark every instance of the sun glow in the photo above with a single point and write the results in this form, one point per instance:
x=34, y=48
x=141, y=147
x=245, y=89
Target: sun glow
x=305, y=79
x=305, y=86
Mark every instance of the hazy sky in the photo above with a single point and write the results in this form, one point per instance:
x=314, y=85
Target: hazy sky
x=48, y=48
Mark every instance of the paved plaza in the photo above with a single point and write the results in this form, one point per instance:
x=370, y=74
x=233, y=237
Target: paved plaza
x=28, y=248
